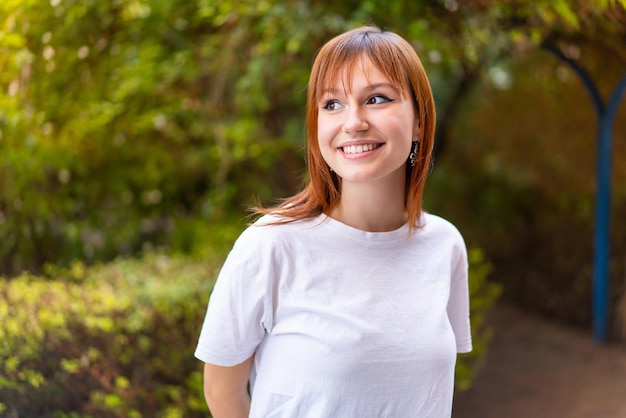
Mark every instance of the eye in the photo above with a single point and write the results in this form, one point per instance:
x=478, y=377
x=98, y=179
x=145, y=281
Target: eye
x=378, y=99
x=332, y=105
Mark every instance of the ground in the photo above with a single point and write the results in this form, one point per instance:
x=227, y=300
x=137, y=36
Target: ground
x=541, y=369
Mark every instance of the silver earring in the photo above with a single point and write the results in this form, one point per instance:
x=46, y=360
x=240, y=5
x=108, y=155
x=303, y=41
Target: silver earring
x=413, y=154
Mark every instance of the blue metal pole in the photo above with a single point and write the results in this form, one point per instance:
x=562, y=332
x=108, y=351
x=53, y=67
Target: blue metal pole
x=606, y=115
x=602, y=238
x=603, y=216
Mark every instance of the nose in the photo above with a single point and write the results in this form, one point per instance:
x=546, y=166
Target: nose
x=355, y=120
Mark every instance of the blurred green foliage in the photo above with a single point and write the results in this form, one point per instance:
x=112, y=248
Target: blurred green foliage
x=121, y=117
x=106, y=340
x=118, y=119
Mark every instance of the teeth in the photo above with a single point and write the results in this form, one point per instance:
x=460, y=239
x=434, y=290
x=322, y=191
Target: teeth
x=358, y=149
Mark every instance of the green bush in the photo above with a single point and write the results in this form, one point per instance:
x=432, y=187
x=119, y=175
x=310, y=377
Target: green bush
x=116, y=340
x=110, y=340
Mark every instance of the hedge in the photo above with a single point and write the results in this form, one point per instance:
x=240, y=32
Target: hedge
x=110, y=340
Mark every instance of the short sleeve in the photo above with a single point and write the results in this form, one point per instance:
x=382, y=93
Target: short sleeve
x=238, y=314
x=458, y=303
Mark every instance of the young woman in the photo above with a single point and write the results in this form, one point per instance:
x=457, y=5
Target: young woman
x=348, y=300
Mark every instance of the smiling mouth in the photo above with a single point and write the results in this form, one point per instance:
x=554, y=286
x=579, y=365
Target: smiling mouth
x=358, y=149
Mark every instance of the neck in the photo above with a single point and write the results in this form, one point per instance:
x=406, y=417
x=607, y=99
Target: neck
x=370, y=208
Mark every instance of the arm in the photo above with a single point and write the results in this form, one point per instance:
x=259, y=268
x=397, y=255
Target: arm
x=226, y=389
x=458, y=303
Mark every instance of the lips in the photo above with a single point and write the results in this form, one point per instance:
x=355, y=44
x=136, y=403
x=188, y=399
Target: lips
x=358, y=149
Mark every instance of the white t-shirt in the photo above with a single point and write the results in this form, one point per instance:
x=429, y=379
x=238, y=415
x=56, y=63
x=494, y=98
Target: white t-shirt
x=343, y=322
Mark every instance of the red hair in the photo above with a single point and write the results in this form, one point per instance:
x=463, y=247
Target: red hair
x=398, y=62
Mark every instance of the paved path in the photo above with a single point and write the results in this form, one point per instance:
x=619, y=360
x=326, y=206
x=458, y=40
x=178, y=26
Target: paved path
x=539, y=369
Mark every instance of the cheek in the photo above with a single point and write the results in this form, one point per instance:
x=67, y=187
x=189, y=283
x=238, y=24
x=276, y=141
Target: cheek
x=324, y=133
x=403, y=131
x=323, y=143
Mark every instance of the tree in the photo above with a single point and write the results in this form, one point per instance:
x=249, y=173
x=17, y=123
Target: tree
x=122, y=118
x=587, y=35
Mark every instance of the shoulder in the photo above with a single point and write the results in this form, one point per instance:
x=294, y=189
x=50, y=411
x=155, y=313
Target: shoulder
x=437, y=224
x=444, y=236
x=437, y=228
x=271, y=231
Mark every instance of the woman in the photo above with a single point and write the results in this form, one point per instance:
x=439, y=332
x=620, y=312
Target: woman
x=347, y=300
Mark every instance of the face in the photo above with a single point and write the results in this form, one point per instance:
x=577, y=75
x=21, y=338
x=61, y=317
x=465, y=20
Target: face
x=366, y=128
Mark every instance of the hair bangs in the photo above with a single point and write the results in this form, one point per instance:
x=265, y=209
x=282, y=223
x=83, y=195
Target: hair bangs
x=341, y=59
